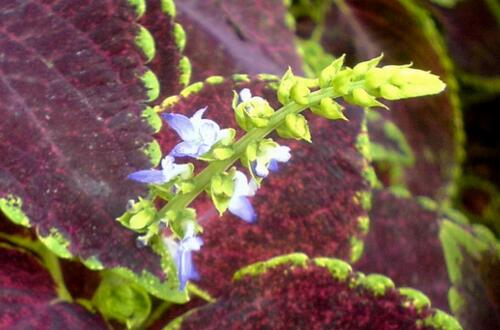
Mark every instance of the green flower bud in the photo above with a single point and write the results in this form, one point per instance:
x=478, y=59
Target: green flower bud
x=142, y=219
x=395, y=82
x=342, y=81
x=329, y=109
x=221, y=190
x=139, y=215
x=390, y=92
x=376, y=77
x=362, y=98
x=286, y=84
x=295, y=127
x=326, y=76
x=253, y=113
x=222, y=153
x=361, y=68
x=300, y=92
x=413, y=82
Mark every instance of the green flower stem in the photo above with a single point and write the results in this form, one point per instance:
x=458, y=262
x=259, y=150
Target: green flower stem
x=49, y=259
x=203, y=179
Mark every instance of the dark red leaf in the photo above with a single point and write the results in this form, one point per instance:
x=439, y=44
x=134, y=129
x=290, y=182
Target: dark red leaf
x=472, y=33
x=365, y=28
x=314, y=204
x=227, y=37
x=304, y=295
x=473, y=260
x=403, y=243
x=28, y=299
x=70, y=101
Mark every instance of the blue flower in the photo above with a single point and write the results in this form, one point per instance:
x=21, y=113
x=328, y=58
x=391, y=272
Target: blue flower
x=169, y=171
x=182, y=254
x=239, y=204
x=268, y=161
x=198, y=135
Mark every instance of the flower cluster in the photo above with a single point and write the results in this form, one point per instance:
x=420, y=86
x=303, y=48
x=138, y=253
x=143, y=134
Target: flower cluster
x=228, y=187
x=202, y=139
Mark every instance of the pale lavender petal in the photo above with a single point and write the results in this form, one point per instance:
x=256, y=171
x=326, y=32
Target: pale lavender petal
x=167, y=162
x=192, y=243
x=208, y=131
x=184, y=149
x=281, y=154
x=243, y=209
x=261, y=169
x=196, y=118
x=245, y=95
x=182, y=125
x=184, y=268
x=148, y=176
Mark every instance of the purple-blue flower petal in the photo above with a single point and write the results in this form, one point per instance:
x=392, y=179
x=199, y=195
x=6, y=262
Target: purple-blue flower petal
x=148, y=176
x=273, y=165
x=182, y=125
x=186, y=149
x=241, y=207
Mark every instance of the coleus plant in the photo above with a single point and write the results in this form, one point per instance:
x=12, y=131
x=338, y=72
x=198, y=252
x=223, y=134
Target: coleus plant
x=99, y=125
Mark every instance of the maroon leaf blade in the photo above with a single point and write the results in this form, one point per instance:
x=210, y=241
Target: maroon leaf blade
x=473, y=260
x=71, y=98
x=404, y=33
x=311, y=294
x=227, y=37
x=472, y=33
x=314, y=204
x=28, y=298
x=403, y=243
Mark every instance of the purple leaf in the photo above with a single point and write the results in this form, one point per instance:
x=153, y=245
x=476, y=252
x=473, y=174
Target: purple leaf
x=403, y=243
x=472, y=33
x=227, y=37
x=29, y=298
x=310, y=294
x=70, y=101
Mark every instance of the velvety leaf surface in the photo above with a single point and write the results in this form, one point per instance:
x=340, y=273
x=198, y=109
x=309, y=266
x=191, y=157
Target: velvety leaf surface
x=472, y=33
x=307, y=296
x=363, y=29
x=70, y=103
x=403, y=243
x=166, y=62
x=313, y=204
x=28, y=297
x=473, y=259
x=227, y=37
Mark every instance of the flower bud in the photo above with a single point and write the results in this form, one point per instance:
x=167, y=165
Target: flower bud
x=376, y=77
x=253, y=113
x=300, y=92
x=362, y=98
x=295, y=127
x=329, y=109
x=327, y=74
x=287, y=82
x=342, y=81
x=361, y=68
